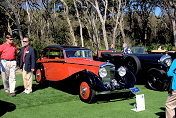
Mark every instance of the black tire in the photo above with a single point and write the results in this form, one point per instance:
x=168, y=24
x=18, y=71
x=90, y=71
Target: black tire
x=157, y=79
x=133, y=64
x=86, y=93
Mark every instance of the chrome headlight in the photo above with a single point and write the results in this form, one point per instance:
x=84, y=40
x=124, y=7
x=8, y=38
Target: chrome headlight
x=168, y=62
x=102, y=72
x=166, y=59
x=122, y=71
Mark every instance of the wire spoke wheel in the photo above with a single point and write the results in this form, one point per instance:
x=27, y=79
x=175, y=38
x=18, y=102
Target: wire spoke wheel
x=87, y=94
x=156, y=79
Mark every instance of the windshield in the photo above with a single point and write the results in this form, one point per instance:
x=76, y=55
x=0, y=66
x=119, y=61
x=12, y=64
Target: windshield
x=137, y=50
x=78, y=53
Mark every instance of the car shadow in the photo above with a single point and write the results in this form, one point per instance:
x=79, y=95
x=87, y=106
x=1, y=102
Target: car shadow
x=69, y=87
x=161, y=114
x=6, y=107
x=114, y=97
x=65, y=86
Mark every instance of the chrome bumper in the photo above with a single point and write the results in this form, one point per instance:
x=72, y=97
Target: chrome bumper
x=113, y=91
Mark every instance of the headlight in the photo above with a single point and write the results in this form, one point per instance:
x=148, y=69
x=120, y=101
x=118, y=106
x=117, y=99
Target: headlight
x=122, y=71
x=166, y=59
x=168, y=62
x=102, y=72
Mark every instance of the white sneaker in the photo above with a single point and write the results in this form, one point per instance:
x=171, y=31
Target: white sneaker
x=27, y=92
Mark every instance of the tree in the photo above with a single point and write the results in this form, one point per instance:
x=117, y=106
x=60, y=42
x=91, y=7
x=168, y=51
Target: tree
x=102, y=15
x=66, y=11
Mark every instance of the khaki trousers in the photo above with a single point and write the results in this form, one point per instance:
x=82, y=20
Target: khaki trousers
x=27, y=79
x=8, y=73
x=171, y=105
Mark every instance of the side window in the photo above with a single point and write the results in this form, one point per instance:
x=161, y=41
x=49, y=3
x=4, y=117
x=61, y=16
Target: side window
x=46, y=54
x=56, y=54
x=61, y=54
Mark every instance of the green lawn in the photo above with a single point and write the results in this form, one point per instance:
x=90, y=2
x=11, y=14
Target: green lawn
x=53, y=103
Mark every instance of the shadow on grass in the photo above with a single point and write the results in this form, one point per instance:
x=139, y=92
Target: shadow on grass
x=1, y=86
x=65, y=86
x=35, y=87
x=113, y=97
x=69, y=87
x=161, y=114
x=6, y=107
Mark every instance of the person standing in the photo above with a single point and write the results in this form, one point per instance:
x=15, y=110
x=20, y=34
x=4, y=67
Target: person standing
x=126, y=49
x=8, y=52
x=112, y=47
x=27, y=64
x=171, y=100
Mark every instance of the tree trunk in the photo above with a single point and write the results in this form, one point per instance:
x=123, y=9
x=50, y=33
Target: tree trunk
x=69, y=23
x=116, y=21
x=102, y=19
x=80, y=24
x=29, y=20
x=17, y=22
x=174, y=30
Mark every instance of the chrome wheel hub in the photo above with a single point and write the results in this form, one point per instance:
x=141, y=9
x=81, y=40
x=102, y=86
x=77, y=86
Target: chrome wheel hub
x=83, y=90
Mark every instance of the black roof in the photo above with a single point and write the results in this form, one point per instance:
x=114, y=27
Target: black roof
x=65, y=47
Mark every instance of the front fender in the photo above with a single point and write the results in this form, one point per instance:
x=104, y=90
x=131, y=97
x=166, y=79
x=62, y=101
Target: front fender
x=93, y=80
x=127, y=81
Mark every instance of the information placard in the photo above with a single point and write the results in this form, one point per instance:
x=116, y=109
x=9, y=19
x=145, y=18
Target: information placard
x=140, y=103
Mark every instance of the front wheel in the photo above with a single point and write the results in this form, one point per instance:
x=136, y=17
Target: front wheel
x=86, y=94
x=157, y=79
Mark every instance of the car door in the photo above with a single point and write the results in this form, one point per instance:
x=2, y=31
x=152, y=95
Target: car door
x=54, y=65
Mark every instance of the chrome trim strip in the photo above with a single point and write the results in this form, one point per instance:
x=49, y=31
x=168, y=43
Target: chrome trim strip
x=106, y=64
x=114, y=91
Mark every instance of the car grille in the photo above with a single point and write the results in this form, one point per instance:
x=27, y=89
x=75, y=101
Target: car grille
x=110, y=73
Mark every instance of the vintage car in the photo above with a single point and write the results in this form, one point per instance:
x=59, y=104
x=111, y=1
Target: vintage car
x=148, y=68
x=58, y=63
x=172, y=53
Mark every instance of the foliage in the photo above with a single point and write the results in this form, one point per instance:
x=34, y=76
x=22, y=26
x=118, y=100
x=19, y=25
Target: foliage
x=48, y=23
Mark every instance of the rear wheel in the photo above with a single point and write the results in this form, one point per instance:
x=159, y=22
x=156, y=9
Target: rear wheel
x=87, y=94
x=157, y=79
x=133, y=63
x=40, y=78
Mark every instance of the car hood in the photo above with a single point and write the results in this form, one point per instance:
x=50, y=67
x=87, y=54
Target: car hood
x=149, y=57
x=81, y=61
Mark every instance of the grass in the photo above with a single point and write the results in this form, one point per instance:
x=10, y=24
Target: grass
x=52, y=102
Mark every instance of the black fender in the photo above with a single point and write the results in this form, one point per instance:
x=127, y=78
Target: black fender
x=93, y=80
x=127, y=81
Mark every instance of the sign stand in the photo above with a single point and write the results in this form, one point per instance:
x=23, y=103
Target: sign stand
x=140, y=101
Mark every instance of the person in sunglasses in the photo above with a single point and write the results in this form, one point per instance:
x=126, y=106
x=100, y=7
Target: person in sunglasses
x=27, y=64
x=8, y=52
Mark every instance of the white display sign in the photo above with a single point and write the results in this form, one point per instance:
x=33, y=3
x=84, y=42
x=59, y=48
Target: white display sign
x=140, y=103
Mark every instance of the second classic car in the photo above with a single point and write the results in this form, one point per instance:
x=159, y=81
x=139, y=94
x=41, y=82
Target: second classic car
x=148, y=68
x=59, y=62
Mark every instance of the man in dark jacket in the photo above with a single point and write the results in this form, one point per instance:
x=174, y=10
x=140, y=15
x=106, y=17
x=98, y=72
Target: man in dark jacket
x=27, y=64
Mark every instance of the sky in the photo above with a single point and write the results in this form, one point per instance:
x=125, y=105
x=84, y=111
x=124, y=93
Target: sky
x=157, y=11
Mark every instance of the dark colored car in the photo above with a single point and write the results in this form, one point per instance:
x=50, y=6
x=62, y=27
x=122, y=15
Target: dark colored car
x=172, y=53
x=58, y=63
x=149, y=68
